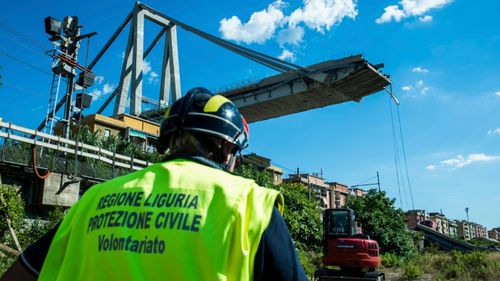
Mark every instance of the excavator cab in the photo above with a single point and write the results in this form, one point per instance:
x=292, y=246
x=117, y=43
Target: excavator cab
x=339, y=223
x=356, y=254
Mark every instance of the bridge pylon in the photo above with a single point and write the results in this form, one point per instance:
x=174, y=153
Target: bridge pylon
x=131, y=74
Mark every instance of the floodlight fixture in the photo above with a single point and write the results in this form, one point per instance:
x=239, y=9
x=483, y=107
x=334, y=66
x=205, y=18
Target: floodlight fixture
x=53, y=26
x=86, y=79
x=70, y=26
x=83, y=100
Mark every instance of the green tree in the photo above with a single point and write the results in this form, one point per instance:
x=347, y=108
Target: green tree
x=114, y=144
x=262, y=178
x=27, y=230
x=301, y=215
x=383, y=222
x=11, y=208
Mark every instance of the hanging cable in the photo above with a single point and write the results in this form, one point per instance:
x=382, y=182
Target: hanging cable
x=395, y=153
x=35, y=169
x=366, y=180
x=404, y=155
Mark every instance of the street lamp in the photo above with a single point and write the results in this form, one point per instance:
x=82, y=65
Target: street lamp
x=468, y=224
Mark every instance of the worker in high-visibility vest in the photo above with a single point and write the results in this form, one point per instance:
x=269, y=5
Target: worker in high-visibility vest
x=185, y=218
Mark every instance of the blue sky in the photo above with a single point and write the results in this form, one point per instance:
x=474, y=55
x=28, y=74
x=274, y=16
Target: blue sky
x=442, y=56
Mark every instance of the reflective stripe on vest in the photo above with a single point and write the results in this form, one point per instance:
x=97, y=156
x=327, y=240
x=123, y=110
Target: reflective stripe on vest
x=178, y=220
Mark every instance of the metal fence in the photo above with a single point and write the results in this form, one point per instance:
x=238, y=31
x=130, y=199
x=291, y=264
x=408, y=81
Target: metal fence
x=62, y=155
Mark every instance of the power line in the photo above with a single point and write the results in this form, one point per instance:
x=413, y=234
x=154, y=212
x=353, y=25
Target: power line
x=23, y=89
x=283, y=167
x=21, y=39
x=25, y=63
x=23, y=45
x=366, y=180
x=22, y=36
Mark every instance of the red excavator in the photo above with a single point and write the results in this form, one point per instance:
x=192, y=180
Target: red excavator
x=345, y=247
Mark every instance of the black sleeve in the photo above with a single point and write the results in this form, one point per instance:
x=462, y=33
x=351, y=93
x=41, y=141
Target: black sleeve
x=34, y=256
x=276, y=257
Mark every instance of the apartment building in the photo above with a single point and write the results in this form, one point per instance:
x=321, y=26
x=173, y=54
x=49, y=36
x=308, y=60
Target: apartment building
x=442, y=222
x=463, y=230
x=317, y=187
x=263, y=164
x=357, y=191
x=414, y=217
x=478, y=230
x=341, y=192
x=132, y=128
x=453, y=229
x=494, y=233
x=329, y=194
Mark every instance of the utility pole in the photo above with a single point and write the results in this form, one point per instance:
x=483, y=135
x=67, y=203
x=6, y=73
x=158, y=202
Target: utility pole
x=66, y=36
x=378, y=181
x=370, y=184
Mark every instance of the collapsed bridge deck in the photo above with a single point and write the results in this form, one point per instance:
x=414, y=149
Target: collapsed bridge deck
x=327, y=83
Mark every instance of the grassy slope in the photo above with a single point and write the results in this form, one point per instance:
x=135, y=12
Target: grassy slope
x=444, y=266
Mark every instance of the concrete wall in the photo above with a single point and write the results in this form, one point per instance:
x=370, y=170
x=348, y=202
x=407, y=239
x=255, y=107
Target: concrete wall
x=60, y=190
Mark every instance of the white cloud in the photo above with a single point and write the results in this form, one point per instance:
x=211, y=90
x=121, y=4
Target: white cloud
x=419, y=89
x=99, y=79
x=291, y=35
x=425, y=18
x=460, y=161
x=287, y=55
x=408, y=8
x=107, y=88
x=390, y=13
x=96, y=94
x=323, y=14
x=319, y=15
x=494, y=132
x=259, y=28
x=153, y=78
x=419, y=69
x=497, y=94
x=420, y=7
x=146, y=67
x=431, y=167
x=37, y=108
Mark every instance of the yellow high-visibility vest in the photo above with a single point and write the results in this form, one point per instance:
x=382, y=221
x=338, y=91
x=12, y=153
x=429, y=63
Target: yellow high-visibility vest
x=177, y=220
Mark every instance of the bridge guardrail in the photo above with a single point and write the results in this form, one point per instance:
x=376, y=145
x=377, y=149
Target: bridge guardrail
x=63, y=155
